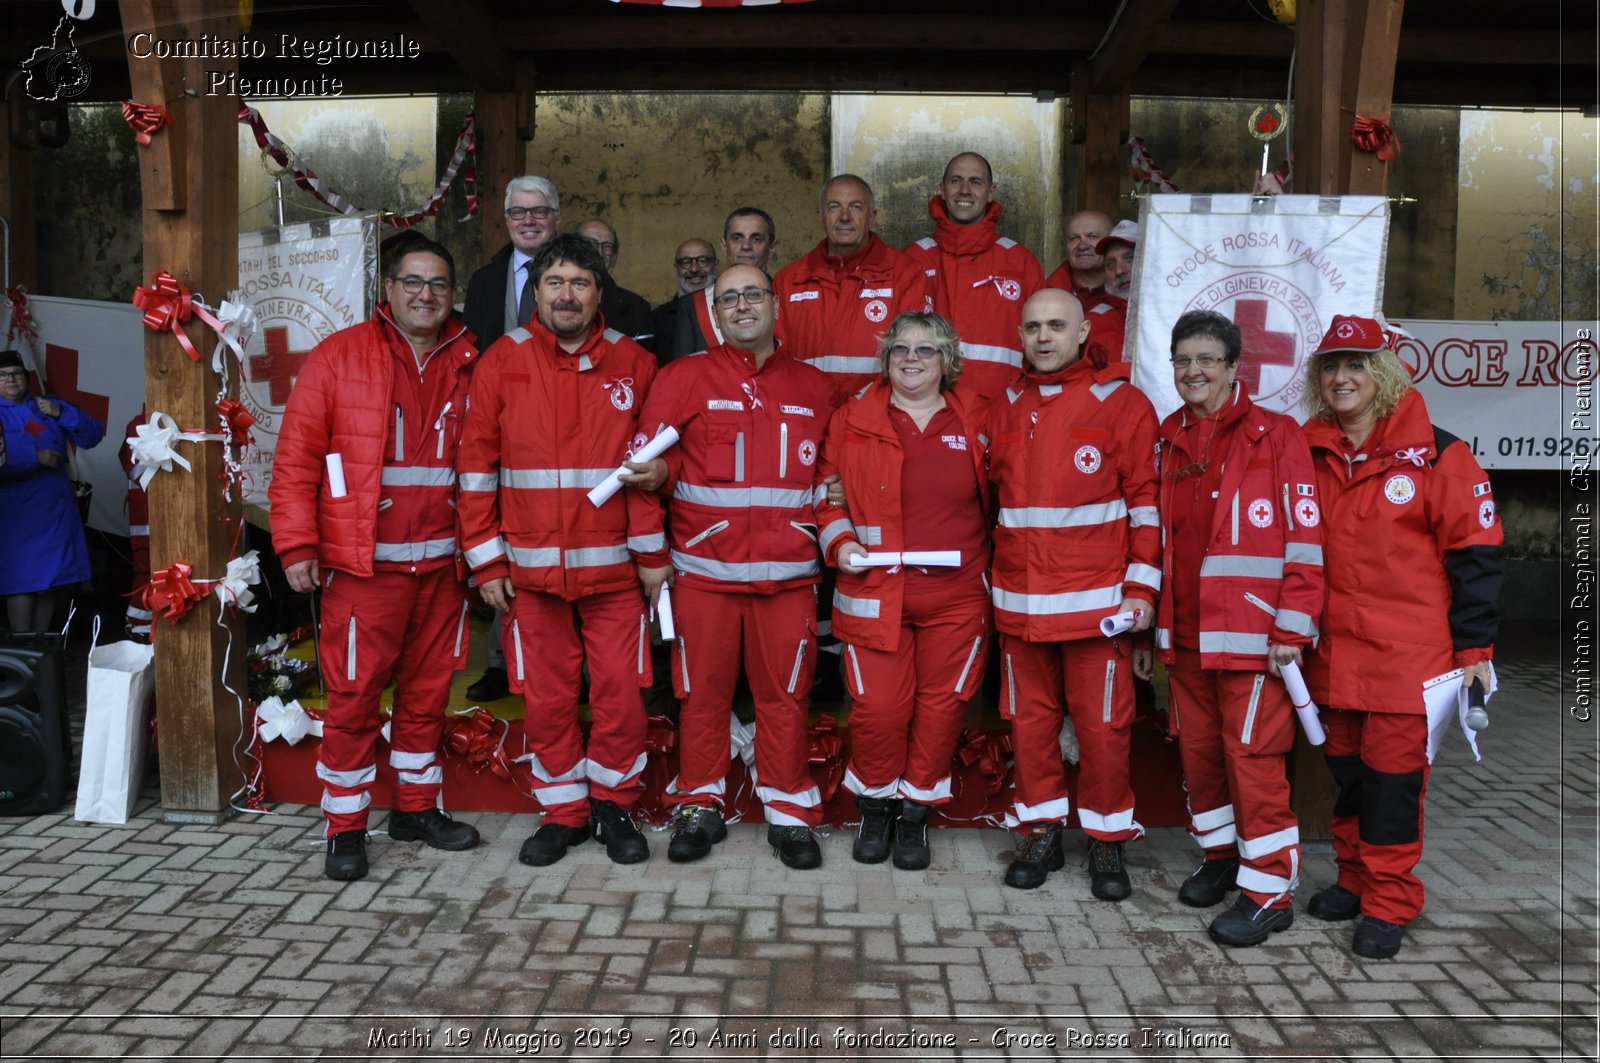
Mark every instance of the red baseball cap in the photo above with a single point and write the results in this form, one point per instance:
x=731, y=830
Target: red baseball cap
x=1348, y=333
x=1125, y=230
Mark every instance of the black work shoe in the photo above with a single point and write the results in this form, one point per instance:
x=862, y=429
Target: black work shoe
x=1107, y=878
x=433, y=828
x=872, y=839
x=1210, y=883
x=550, y=843
x=911, y=837
x=1376, y=939
x=1247, y=923
x=1038, y=855
x=1334, y=904
x=613, y=826
x=347, y=856
x=797, y=846
x=694, y=831
x=491, y=686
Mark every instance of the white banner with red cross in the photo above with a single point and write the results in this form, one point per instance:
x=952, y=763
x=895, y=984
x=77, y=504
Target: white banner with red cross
x=1279, y=267
x=306, y=282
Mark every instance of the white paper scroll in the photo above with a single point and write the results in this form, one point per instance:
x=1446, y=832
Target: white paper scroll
x=1115, y=624
x=649, y=452
x=669, y=630
x=336, y=486
x=1304, y=707
x=925, y=558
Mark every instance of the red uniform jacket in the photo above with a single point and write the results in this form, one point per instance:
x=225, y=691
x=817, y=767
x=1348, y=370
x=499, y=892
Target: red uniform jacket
x=399, y=462
x=1411, y=544
x=864, y=449
x=1107, y=316
x=743, y=475
x=831, y=310
x=1072, y=463
x=542, y=428
x=979, y=281
x=1261, y=579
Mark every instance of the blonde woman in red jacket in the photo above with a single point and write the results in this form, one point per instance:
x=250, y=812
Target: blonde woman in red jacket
x=1412, y=558
x=1242, y=590
x=910, y=451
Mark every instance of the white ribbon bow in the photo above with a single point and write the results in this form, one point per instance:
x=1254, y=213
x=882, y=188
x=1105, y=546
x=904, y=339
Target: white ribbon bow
x=243, y=573
x=238, y=327
x=289, y=722
x=1415, y=455
x=742, y=738
x=152, y=446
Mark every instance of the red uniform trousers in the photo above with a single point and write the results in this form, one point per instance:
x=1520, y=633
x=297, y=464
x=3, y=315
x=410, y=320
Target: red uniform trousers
x=1234, y=729
x=777, y=634
x=909, y=704
x=544, y=657
x=1097, y=679
x=391, y=625
x=1380, y=761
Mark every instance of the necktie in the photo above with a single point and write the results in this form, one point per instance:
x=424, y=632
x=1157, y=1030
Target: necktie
x=525, y=304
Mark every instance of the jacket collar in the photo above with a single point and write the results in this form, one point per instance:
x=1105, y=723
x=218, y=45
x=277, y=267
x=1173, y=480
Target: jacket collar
x=957, y=239
x=872, y=259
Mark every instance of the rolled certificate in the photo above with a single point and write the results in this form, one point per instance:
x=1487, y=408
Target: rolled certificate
x=1115, y=624
x=336, y=487
x=649, y=452
x=664, y=613
x=1304, y=707
x=926, y=558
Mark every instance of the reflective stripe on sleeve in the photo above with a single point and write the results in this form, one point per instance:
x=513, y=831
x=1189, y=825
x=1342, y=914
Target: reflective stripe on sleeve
x=479, y=481
x=486, y=552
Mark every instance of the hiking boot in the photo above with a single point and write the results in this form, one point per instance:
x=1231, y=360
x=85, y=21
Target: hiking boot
x=911, y=851
x=550, y=843
x=347, y=856
x=872, y=839
x=1376, y=939
x=433, y=828
x=797, y=846
x=1247, y=923
x=613, y=826
x=1210, y=883
x=1334, y=904
x=1108, y=880
x=491, y=686
x=1037, y=856
x=695, y=830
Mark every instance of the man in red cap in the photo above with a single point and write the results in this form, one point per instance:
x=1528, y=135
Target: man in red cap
x=1106, y=311
x=979, y=279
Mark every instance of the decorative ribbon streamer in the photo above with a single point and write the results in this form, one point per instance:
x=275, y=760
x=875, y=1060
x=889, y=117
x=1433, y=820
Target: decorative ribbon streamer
x=22, y=323
x=289, y=722
x=237, y=416
x=236, y=323
x=167, y=305
x=172, y=592
x=243, y=573
x=1375, y=135
x=1145, y=170
x=824, y=750
x=151, y=447
x=307, y=179
x=145, y=119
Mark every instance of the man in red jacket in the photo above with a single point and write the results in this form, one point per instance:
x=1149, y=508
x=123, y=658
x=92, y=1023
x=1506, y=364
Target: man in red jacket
x=1072, y=466
x=1107, y=310
x=1083, y=271
x=363, y=486
x=978, y=278
x=744, y=547
x=836, y=299
x=554, y=407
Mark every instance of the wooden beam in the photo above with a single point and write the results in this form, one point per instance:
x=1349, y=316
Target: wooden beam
x=18, y=142
x=1315, y=128
x=1101, y=162
x=199, y=720
x=500, y=158
x=467, y=30
x=1370, y=48
x=1127, y=44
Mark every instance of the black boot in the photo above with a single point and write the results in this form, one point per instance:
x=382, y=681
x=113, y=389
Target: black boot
x=1108, y=879
x=1037, y=856
x=872, y=840
x=616, y=829
x=433, y=828
x=911, y=837
x=491, y=686
x=1210, y=883
x=347, y=856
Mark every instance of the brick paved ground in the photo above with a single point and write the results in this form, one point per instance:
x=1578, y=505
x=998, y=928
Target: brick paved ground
x=164, y=942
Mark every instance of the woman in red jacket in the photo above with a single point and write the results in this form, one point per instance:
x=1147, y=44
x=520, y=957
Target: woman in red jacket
x=910, y=451
x=1412, y=562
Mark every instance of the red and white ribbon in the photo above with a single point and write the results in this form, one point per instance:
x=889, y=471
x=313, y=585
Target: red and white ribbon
x=1146, y=174
x=145, y=119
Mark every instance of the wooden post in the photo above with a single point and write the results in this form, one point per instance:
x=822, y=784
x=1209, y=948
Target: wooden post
x=1100, y=162
x=17, y=143
x=189, y=181
x=505, y=124
x=1318, y=84
x=1371, y=47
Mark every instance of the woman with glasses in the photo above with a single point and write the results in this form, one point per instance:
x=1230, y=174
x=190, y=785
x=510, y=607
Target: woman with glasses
x=910, y=451
x=46, y=553
x=1241, y=593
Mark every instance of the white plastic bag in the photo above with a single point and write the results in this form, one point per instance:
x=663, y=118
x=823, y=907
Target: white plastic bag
x=121, y=680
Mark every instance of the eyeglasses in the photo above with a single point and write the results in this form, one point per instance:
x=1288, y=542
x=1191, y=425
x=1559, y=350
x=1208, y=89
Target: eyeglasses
x=604, y=247
x=901, y=353
x=1205, y=361
x=13, y=374
x=688, y=261
x=753, y=296
x=413, y=285
x=537, y=213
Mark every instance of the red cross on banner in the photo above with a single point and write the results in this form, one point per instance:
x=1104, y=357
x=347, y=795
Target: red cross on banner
x=279, y=366
x=61, y=365
x=1262, y=347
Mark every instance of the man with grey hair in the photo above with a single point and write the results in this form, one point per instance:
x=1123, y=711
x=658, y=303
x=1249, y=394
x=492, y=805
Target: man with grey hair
x=499, y=295
x=833, y=302
x=625, y=311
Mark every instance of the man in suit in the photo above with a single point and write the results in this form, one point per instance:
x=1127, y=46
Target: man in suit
x=625, y=311
x=685, y=324
x=498, y=299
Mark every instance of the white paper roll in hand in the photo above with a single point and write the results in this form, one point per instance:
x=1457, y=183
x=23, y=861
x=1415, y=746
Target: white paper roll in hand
x=652, y=450
x=336, y=486
x=669, y=630
x=1304, y=707
x=1117, y=623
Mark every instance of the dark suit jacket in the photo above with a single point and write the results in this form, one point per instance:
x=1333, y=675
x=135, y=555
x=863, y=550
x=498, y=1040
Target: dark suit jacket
x=484, y=312
x=678, y=328
x=628, y=313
